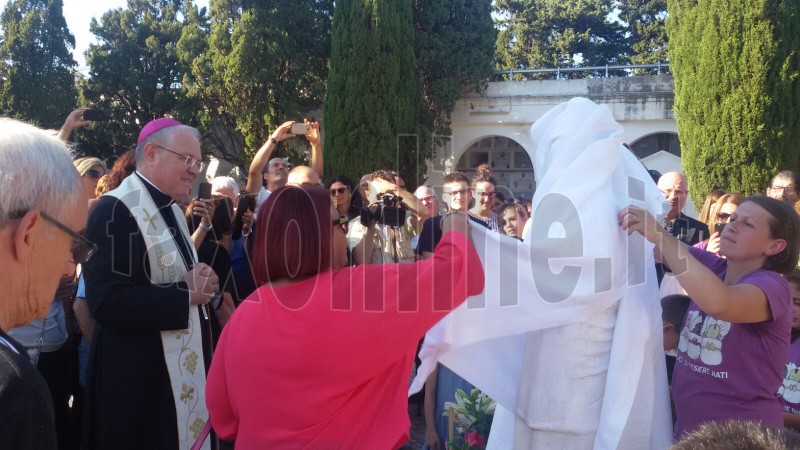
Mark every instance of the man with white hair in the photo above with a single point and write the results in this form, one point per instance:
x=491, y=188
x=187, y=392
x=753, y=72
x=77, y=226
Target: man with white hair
x=148, y=293
x=688, y=230
x=43, y=208
x=225, y=187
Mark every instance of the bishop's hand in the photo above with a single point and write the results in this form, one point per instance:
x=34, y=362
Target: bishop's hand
x=202, y=283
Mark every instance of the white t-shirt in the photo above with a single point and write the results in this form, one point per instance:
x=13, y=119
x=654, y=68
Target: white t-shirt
x=261, y=197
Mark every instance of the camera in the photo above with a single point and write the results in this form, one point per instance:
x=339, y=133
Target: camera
x=387, y=210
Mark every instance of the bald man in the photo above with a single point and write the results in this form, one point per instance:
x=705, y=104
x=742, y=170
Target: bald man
x=302, y=176
x=688, y=230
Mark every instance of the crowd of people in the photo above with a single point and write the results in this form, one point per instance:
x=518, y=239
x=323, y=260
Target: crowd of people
x=288, y=313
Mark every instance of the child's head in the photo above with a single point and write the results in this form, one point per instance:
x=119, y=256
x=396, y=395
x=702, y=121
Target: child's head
x=673, y=310
x=793, y=278
x=738, y=435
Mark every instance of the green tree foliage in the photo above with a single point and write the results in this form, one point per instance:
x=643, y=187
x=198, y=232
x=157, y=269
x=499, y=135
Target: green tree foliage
x=454, y=46
x=36, y=62
x=538, y=34
x=263, y=63
x=373, y=90
x=648, y=33
x=135, y=73
x=736, y=65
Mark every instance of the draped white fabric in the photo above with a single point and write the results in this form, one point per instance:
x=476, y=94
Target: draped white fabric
x=567, y=334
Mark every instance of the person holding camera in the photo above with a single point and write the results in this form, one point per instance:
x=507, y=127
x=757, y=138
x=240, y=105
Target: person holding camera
x=275, y=171
x=380, y=236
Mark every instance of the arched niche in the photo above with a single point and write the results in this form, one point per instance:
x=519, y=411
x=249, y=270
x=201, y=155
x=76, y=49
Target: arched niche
x=511, y=165
x=654, y=143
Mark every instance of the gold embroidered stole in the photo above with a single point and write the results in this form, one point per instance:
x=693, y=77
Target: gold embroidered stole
x=183, y=349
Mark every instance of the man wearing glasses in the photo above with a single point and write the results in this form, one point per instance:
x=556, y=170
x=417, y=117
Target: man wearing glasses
x=689, y=231
x=42, y=209
x=783, y=187
x=151, y=346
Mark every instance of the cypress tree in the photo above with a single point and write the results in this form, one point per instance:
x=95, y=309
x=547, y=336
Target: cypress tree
x=737, y=91
x=372, y=89
x=454, y=46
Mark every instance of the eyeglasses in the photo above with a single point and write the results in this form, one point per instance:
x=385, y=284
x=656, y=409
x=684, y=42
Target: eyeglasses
x=341, y=222
x=82, y=249
x=187, y=160
x=486, y=194
x=93, y=173
x=462, y=192
x=781, y=189
x=428, y=199
x=677, y=192
x=723, y=217
x=339, y=191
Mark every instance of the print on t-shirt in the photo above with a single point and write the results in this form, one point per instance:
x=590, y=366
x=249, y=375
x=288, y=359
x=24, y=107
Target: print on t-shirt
x=791, y=384
x=690, y=335
x=714, y=331
x=702, y=337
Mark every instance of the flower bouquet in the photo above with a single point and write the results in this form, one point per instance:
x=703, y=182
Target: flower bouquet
x=470, y=420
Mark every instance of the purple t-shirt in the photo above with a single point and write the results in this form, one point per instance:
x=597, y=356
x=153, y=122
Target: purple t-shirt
x=730, y=370
x=790, y=390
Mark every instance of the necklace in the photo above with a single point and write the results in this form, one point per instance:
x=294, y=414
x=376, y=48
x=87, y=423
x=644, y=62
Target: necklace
x=486, y=220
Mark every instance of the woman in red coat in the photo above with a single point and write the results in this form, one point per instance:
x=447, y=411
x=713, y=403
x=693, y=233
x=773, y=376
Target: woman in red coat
x=321, y=358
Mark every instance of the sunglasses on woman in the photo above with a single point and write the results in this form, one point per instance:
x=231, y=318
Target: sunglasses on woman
x=339, y=191
x=94, y=174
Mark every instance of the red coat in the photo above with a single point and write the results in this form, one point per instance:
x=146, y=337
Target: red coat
x=325, y=363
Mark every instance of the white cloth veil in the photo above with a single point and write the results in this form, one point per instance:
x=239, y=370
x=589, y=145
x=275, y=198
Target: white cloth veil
x=576, y=267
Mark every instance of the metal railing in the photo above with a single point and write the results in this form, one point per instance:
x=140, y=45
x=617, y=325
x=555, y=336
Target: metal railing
x=629, y=68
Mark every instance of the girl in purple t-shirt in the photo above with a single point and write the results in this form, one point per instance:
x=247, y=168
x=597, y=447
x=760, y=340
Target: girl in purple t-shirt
x=790, y=390
x=735, y=337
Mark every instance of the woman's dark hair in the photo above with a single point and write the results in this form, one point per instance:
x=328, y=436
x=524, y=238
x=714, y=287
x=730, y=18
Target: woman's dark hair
x=483, y=173
x=784, y=224
x=518, y=209
x=355, y=196
x=341, y=179
x=122, y=168
x=293, y=234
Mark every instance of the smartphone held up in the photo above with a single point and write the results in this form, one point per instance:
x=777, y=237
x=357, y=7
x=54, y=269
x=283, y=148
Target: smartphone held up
x=95, y=115
x=301, y=128
x=204, y=191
